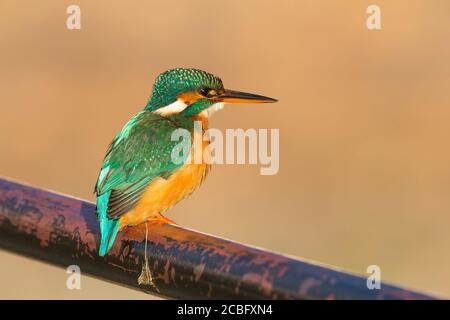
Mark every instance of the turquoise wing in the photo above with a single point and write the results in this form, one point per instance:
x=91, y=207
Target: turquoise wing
x=140, y=152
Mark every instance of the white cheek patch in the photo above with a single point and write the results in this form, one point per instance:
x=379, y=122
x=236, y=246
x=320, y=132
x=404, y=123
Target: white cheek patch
x=175, y=107
x=179, y=105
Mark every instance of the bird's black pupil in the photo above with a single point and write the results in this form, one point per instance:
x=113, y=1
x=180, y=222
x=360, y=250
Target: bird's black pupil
x=205, y=91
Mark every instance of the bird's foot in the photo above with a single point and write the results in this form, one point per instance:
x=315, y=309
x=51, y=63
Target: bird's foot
x=161, y=219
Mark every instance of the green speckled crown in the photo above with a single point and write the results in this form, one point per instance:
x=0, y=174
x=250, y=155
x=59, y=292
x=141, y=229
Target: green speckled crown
x=171, y=83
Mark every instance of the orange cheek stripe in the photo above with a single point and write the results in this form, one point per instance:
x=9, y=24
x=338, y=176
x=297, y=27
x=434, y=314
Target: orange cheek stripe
x=189, y=97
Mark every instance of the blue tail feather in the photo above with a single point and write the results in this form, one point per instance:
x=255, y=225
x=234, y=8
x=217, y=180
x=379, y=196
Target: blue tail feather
x=108, y=227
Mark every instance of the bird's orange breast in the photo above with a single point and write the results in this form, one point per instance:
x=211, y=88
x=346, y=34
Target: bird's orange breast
x=161, y=194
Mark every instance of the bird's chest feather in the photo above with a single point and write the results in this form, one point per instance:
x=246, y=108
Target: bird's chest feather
x=161, y=194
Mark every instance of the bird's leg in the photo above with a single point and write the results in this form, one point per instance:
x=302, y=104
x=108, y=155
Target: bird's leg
x=146, y=278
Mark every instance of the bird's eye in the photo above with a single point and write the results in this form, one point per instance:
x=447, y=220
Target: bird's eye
x=207, y=92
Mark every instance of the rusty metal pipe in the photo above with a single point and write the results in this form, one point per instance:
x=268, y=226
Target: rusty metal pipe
x=63, y=230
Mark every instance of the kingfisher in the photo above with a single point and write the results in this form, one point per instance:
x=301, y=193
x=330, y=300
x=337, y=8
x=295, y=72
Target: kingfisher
x=139, y=179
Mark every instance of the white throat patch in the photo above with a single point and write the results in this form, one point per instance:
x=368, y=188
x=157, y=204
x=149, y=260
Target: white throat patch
x=215, y=107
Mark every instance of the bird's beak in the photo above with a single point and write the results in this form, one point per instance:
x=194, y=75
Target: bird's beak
x=243, y=97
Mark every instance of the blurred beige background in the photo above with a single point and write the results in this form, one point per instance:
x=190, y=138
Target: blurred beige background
x=363, y=115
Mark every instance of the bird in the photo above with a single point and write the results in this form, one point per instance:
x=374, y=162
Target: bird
x=138, y=180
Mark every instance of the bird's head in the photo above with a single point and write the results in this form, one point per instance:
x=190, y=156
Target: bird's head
x=191, y=91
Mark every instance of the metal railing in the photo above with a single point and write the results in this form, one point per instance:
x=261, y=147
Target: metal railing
x=63, y=230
